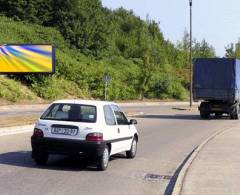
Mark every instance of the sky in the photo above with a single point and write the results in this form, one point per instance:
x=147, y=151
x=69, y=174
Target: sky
x=218, y=21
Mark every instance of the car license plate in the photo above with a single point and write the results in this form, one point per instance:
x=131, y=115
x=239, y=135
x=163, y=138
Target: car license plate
x=64, y=131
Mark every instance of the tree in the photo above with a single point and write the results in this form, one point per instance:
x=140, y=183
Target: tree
x=233, y=51
x=203, y=50
x=200, y=49
x=149, y=53
x=230, y=51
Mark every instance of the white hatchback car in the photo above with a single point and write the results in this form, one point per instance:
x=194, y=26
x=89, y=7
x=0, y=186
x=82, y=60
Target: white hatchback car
x=94, y=128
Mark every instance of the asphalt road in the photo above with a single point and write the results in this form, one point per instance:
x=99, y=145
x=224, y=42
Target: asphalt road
x=167, y=136
x=37, y=109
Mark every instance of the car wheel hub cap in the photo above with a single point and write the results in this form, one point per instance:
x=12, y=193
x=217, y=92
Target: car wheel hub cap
x=105, y=157
x=134, y=147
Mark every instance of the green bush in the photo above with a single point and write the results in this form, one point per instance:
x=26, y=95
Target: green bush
x=166, y=86
x=55, y=88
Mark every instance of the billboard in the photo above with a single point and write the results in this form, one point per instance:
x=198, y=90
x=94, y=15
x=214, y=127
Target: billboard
x=27, y=58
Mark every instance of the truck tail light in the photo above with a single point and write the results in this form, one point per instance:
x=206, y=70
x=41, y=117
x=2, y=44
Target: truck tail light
x=94, y=137
x=37, y=132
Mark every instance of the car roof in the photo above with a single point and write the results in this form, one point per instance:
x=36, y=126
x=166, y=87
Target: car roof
x=87, y=102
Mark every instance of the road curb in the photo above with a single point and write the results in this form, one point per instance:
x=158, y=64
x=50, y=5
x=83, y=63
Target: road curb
x=182, y=174
x=132, y=114
x=16, y=130
x=126, y=104
x=28, y=128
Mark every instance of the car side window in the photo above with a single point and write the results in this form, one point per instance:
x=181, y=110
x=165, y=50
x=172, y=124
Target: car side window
x=109, y=116
x=52, y=110
x=120, y=117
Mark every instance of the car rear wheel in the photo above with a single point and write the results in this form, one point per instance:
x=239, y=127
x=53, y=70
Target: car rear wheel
x=204, y=115
x=41, y=158
x=133, y=151
x=103, y=159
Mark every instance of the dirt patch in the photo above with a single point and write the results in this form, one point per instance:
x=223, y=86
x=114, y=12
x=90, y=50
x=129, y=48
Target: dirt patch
x=19, y=120
x=4, y=102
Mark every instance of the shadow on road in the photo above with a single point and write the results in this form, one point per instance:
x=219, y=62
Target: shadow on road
x=23, y=159
x=171, y=185
x=55, y=162
x=178, y=117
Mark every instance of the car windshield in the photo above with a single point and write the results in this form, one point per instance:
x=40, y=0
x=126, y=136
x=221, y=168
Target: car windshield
x=70, y=112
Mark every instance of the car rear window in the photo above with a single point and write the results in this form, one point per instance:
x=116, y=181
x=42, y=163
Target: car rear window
x=71, y=112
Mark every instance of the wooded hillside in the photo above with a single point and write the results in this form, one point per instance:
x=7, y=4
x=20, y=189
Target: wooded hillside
x=92, y=41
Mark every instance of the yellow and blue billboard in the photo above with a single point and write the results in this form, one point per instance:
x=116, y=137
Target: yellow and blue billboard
x=27, y=58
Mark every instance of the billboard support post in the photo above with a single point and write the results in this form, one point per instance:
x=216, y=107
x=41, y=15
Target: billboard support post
x=106, y=79
x=105, y=94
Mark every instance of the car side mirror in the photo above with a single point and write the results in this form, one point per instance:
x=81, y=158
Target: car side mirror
x=132, y=122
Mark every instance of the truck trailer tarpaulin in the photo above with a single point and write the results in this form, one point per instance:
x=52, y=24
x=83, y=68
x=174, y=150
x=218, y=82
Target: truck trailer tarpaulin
x=216, y=79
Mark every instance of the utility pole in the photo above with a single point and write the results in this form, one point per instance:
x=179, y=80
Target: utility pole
x=190, y=55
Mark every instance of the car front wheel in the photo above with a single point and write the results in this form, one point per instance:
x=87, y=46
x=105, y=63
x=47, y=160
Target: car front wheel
x=133, y=151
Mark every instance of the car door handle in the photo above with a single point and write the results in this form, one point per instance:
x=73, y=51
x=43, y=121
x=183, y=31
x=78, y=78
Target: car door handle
x=118, y=130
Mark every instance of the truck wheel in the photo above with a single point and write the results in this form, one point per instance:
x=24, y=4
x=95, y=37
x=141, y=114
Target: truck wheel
x=103, y=159
x=204, y=115
x=41, y=158
x=235, y=114
x=218, y=114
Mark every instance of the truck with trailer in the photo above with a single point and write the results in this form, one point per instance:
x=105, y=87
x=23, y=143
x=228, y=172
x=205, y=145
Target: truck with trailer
x=216, y=83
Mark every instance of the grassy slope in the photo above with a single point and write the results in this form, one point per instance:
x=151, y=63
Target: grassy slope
x=12, y=91
x=77, y=76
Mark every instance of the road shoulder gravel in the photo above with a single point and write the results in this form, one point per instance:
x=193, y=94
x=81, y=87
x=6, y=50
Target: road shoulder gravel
x=16, y=130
